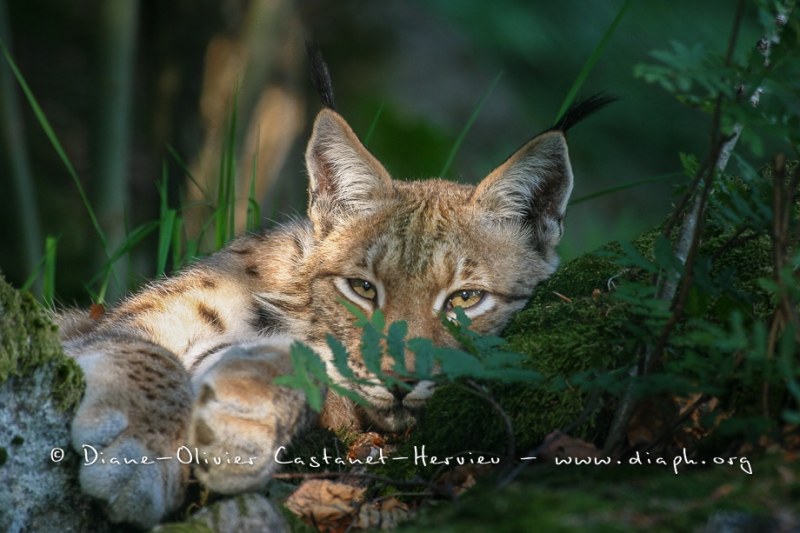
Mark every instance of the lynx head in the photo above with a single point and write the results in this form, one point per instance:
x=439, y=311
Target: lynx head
x=416, y=249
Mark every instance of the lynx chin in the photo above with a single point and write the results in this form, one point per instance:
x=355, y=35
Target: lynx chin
x=189, y=361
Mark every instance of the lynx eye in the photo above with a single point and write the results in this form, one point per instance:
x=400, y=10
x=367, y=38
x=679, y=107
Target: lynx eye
x=464, y=299
x=363, y=288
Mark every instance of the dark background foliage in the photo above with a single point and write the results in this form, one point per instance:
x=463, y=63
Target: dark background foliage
x=421, y=66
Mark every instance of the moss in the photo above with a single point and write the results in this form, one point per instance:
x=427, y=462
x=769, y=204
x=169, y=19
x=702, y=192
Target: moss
x=29, y=339
x=623, y=498
x=564, y=330
x=571, y=326
x=578, y=278
x=311, y=444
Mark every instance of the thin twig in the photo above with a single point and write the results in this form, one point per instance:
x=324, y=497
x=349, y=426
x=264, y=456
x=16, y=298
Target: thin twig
x=785, y=312
x=737, y=239
x=439, y=471
x=703, y=398
x=589, y=406
x=686, y=249
x=479, y=391
x=690, y=230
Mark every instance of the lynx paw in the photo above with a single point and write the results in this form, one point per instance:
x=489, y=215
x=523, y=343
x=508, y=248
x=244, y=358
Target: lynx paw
x=240, y=417
x=134, y=411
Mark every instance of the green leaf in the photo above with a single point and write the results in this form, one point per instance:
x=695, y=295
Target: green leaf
x=457, y=363
x=423, y=357
x=341, y=358
x=395, y=343
x=361, y=318
x=309, y=375
x=459, y=329
x=371, y=351
x=463, y=133
x=53, y=138
x=512, y=375
x=378, y=321
x=347, y=393
x=689, y=164
x=593, y=57
x=632, y=257
x=664, y=256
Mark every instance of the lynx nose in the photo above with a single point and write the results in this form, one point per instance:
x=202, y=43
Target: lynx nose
x=401, y=391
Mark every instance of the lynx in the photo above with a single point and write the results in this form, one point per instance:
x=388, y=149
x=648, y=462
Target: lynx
x=190, y=360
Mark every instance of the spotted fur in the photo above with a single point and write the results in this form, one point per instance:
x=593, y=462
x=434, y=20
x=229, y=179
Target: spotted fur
x=189, y=360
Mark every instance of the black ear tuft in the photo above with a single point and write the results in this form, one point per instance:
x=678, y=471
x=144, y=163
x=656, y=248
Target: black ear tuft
x=581, y=109
x=320, y=75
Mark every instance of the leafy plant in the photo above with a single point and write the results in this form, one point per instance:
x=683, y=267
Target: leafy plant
x=480, y=357
x=170, y=224
x=701, y=325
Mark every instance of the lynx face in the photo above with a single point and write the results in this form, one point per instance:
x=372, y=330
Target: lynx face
x=419, y=249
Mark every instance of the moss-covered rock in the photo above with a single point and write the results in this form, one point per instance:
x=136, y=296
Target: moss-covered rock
x=572, y=326
x=569, y=326
x=39, y=390
x=29, y=340
x=573, y=323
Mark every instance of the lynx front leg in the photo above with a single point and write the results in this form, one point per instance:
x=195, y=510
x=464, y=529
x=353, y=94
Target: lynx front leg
x=136, y=410
x=240, y=417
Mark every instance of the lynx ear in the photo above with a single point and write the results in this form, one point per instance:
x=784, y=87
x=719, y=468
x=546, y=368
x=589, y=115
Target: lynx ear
x=532, y=186
x=344, y=178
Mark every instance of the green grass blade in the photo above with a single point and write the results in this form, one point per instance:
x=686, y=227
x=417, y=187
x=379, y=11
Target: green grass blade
x=131, y=240
x=593, y=57
x=226, y=186
x=624, y=186
x=49, y=284
x=51, y=136
x=463, y=133
x=165, y=234
x=178, y=259
x=220, y=212
x=19, y=168
x=167, y=218
x=185, y=168
x=192, y=250
x=373, y=124
x=226, y=189
x=193, y=245
x=231, y=173
x=253, y=207
x=34, y=275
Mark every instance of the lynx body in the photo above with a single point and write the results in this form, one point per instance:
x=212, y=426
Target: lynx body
x=190, y=360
